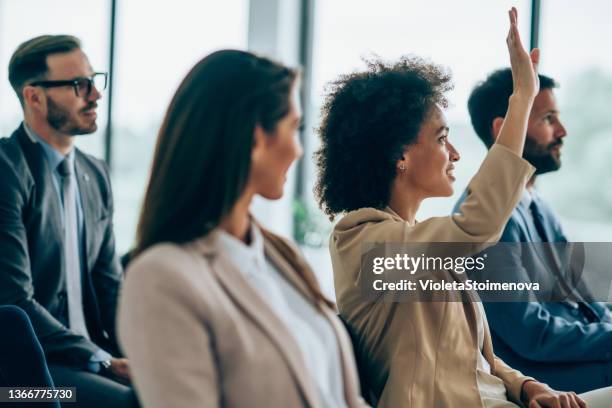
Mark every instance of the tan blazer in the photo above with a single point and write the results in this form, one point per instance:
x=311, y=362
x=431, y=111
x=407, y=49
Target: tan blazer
x=423, y=354
x=198, y=335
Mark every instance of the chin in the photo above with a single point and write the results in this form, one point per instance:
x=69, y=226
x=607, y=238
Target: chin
x=447, y=191
x=273, y=194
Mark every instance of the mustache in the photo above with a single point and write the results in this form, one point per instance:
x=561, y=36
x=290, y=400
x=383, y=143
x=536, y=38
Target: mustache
x=555, y=144
x=90, y=106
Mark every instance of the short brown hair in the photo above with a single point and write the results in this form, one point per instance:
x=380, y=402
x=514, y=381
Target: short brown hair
x=29, y=61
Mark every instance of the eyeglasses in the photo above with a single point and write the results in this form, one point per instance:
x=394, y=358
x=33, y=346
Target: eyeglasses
x=82, y=85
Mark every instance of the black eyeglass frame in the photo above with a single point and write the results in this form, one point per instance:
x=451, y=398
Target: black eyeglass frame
x=75, y=83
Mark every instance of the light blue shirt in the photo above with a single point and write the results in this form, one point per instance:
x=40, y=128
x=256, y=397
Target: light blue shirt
x=54, y=158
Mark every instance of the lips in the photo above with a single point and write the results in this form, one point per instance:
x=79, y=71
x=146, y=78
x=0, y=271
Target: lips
x=449, y=172
x=556, y=148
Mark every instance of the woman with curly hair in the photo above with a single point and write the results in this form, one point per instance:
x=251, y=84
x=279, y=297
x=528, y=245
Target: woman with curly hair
x=385, y=148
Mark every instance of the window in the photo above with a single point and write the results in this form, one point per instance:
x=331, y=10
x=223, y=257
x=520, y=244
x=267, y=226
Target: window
x=157, y=44
x=575, y=42
x=89, y=21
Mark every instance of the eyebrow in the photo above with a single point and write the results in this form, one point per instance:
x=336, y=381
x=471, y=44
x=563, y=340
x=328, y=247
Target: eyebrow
x=548, y=112
x=442, y=129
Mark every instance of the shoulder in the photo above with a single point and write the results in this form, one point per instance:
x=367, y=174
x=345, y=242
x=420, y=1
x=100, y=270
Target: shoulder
x=515, y=229
x=11, y=152
x=163, y=262
x=373, y=225
x=13, y=164
x=365, y=217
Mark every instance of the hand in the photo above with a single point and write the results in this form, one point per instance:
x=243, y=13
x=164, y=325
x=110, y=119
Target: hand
x=537, y=395
x=524, y=65
x=120, y=368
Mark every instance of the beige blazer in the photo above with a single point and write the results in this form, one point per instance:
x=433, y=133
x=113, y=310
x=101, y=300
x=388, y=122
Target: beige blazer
x=198, y=335
x=423, y=354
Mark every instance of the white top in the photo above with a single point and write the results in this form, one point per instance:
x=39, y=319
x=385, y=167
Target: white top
x=311, y=330
x=492, y=389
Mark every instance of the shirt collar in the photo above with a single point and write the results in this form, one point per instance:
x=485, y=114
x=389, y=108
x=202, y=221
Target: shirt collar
x=247, y=255
x=527, y=198
x=53, y=156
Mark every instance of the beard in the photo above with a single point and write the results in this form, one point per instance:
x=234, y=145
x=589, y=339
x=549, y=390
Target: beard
x=63, y=121
x=541, y=156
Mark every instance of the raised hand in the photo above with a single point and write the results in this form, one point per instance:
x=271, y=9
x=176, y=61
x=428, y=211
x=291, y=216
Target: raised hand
x=524, y=65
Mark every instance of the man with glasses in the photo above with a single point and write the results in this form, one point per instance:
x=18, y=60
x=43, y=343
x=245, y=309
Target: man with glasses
x=58, y=260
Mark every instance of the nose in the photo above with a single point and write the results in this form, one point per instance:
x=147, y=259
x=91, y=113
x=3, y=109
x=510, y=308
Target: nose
x=560, y=131
x=94, y=95
x=453, y=154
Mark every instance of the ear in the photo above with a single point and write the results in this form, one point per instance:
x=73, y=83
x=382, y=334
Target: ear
x=496, y=126
x=402, y=163
x=33, y=98
x=259, y=143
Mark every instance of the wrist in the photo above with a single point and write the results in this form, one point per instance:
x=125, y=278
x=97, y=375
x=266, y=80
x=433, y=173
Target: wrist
x=532, y=388
x=522, y=97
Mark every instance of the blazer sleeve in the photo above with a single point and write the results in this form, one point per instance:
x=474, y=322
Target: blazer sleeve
x=547, y=338
x=513, y=379
x=491, y=196
x=532, y=332
x=107, y=272
x=161, y=329
x=16, y=286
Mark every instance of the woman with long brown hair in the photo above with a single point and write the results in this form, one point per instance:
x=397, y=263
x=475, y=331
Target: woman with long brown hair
x=215, y=309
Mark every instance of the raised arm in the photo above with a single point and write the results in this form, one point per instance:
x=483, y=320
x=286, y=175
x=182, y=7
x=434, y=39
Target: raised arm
x=526, y=87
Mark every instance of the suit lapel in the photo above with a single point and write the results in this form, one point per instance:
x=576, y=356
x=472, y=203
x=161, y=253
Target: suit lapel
x=252, y=305
x=45, y=185
x=529, y=228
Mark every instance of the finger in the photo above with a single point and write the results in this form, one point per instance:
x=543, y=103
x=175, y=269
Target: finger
x=554, y=403
x=574, y=402
x=535, y=58
x=564, y=401
x=581, y=403
x=534, y=404
x=573, y=399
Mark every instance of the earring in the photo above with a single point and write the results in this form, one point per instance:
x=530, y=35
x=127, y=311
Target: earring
x=402, y=166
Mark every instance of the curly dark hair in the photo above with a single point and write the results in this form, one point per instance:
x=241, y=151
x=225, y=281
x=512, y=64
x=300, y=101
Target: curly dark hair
x=369, y=117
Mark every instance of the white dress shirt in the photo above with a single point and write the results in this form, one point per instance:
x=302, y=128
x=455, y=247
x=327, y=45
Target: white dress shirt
x=311, y=330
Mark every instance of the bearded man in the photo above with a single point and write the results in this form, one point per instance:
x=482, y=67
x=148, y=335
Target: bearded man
x=58, y=259
x=565, y=343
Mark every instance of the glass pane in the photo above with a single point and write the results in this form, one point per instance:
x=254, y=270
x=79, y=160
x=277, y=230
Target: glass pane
x=152, y=57
x=580, y=60
x=89, y=21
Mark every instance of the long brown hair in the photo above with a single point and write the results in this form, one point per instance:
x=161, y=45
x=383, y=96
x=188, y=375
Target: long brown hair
x=203, y=153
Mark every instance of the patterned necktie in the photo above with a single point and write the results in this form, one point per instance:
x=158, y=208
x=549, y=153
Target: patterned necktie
x=72, y=261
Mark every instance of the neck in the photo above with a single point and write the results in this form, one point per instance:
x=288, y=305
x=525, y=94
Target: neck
x=237, y=222
x=59, y=141
x=405, y=202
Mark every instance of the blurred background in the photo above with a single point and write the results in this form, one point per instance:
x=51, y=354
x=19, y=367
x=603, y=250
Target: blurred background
x=148, y=47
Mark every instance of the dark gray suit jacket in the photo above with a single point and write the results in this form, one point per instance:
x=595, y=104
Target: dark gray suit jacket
x=31, y=250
